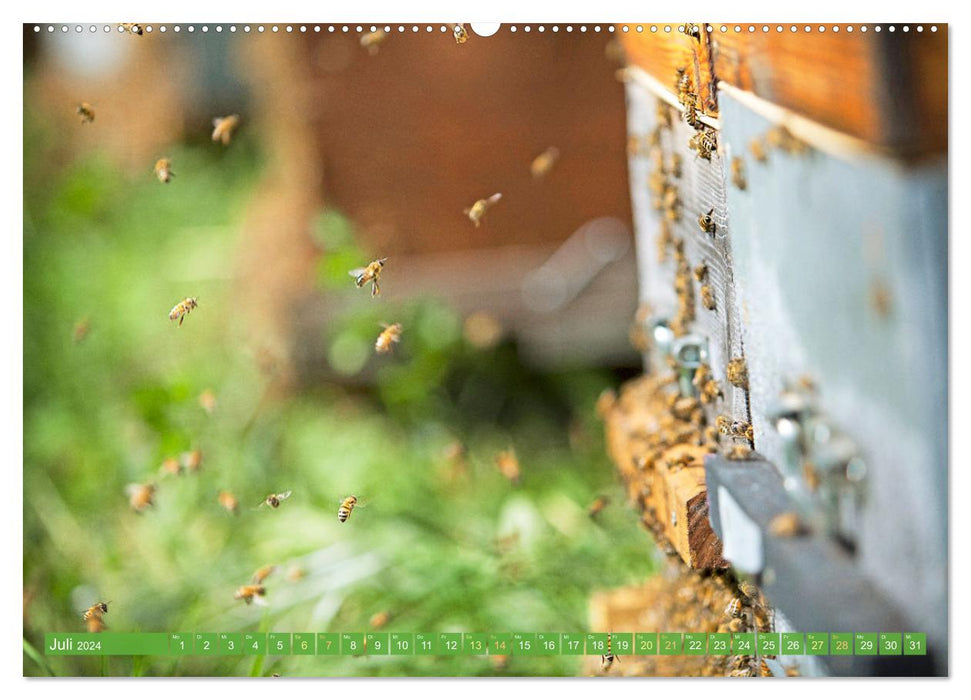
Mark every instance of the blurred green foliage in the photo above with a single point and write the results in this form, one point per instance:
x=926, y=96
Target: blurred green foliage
x=440, y=544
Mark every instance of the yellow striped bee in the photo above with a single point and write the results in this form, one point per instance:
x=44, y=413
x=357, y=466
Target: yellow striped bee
x=223, y=127
x=261, y=574
x=163, y=170
x=86, y=112
x=706, y=223
x=347, y=505
x=734, y=608
x=371, y=273
x=140, y=496
x=607, y=660
x=94, y=617
x=390, y=335
x=180, y=310
x=251, y=593
x=132, y=28
x=460, y=33
x=478, y=210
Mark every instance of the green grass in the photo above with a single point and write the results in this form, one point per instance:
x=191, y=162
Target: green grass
x=120, y=249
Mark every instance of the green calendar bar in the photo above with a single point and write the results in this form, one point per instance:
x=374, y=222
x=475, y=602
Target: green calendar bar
x=547, y=643
x=352, y=643
x=670, y=643
x=475, y=643
x=402, y=644
x=841, y=644
x=230, y=644
x=719, y=643
x=817, y=644
x=793, y=643
x=695, y=643
x=645, y=643
x=304, y=643
x=891, y=644
x=915, y=644
x=254, y=644
x=377, y=643
x=572, y=644
x=278, y=644
x=426, y=643
x=106, y=643
x=328, y=644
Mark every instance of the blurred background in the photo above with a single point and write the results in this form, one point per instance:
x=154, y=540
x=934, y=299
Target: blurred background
x=343, y=155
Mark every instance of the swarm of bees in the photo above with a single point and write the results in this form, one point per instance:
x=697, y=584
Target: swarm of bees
x=223, y=128
x=481, y=206
x=86, y=112
x=371, y=273
x=94, y=617
x=372, y=40
x=387, y=338
x=543, y=163
x=182, y=309
x=163, y=170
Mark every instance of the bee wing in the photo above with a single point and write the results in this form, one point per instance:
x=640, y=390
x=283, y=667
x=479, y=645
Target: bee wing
x=357, y=271
x=495, y=198
x=284, y=496
x=259, y=600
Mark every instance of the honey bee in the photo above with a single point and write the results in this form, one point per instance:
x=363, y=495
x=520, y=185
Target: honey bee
x=170, y=466
x=372, y=40
x=478, y=210
x=94, y=617
x=192, y=460
x=379, y=619
x=764, y=670
x=251, y=593
x=133, y=28
x=706, y=223
x=81, y=330
x=607, y=660
x=261, y=574
x=207, y=400
x=508, y=465
x=140, y=496
x=460, y=33
x=692, y=30
x=703, y=143
x=597, y=506
x=735, y=608
x=163, y=170
x=749, y=590
x=787, y=524
x=737, y=373
x=690, y=113
x=274, y=499
x=228, y=501
x=390, y=335
x=86, y=112
x=757, y=148
x=223, y=127
x=736, y=428
x=347, y=505
x=738, y=173
x=371, y=273
x=180, y=310
x=707, y=297
x=543, y=163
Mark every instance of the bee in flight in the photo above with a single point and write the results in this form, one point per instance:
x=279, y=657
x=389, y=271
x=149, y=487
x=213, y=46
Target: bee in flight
x=478, y=210
x=132, y=28
x=251, y=593
x=347, y=505
x=81, y=330
x=508, y=465
x=207, y=399
x=223, y=127
x=140, y=496
x=274, y=499
x=460, y=33
x=372, y=40
x=94, y=616
x=597, y=506
x=261, y=574
x=379, y=619
x=180, y=310
x=390, y=335
x=607, y=660
x=86, y=112
x=191, y=460
x=544, y=162
x=163, y=170
x=228, y=501
x=371, y=273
